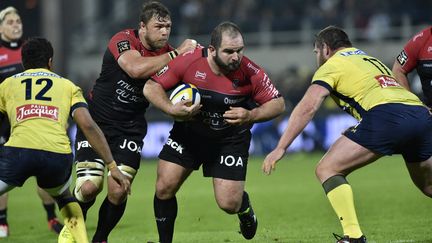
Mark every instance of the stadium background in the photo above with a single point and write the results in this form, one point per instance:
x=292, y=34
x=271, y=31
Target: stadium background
x=278, y=36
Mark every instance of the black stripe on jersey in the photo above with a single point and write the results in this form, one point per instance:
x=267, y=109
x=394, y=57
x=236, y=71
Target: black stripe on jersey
x=77, y=105
x=323, y=84
x=354, y=104
x=2, y=116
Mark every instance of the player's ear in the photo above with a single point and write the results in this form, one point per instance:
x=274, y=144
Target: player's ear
x=50, y=63
x=212, y=50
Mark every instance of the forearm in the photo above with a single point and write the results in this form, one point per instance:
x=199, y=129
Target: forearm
x=268, y=110
x=156, y=95
x=401, y=76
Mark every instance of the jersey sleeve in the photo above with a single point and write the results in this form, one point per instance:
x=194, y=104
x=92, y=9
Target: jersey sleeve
x=77, y=99
x=263, y=88
x=121, y=42
x=326, y=76
x=3, y=99
x=170, y=75
x=409, y=55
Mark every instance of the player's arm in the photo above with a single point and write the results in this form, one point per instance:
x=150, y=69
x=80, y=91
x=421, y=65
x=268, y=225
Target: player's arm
x=401, y=75
x=139, y=67
x=98, y=142
x=155, y=94
x=299, y=118
x=264, y=112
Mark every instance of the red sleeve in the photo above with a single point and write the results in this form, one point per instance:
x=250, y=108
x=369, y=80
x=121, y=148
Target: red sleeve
x=409, y=56
x=172, y=74
x=121, y=42
x=263, y=88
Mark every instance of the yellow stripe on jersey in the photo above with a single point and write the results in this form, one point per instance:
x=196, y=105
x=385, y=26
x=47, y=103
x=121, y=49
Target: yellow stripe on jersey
x=38, y=103
x=359, y=82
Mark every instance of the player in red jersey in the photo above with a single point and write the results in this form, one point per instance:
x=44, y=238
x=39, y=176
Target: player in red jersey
x=118, y=106
x=416, y=54
x=235, y=93
x=10, y=63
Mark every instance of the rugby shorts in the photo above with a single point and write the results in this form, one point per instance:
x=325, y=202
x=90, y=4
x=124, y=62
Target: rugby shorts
x=125, y=147
x=395, y=129
x=224, y=158
x=50, y=169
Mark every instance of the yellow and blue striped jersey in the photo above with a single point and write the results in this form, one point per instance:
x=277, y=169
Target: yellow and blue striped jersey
x=38, y=103
x=358, y=82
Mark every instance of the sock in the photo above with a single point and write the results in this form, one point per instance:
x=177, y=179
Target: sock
x=50, y=210
x=109, y=216
x=3, y=216
x=85, y=206
x=341, y=198
x=244, y=208
x=74, y=221
x=165, y=212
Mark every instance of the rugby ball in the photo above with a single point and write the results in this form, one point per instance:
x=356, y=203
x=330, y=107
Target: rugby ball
x=185, y=92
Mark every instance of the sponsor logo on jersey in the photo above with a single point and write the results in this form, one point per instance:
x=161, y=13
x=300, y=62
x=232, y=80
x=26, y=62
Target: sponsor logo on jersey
x=355, y=52
x=417, y=36
x=83, y=144
x=229, y=101
x=123, y=46
x=36, y=111
x=3, y=57
x=162, y=71
x=200, y=75
x=402, y=58
x=386, y=81
x=235, y=83
x=429, y=49
x=255, y=69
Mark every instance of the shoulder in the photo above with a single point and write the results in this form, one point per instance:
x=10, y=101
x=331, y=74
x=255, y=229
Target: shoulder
x=250, y=68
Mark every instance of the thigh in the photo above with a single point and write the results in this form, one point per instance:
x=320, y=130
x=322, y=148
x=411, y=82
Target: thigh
x=16, y=165
x=421, y=174
x=228, y=190
x=343, y=157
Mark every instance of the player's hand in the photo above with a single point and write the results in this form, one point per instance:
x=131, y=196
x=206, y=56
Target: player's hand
x=184, y=111
x=237, y=116
x=121, y=179
x=187, y=45
x=271, y=159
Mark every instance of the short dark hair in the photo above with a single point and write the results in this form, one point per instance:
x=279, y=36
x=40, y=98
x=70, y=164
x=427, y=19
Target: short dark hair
x=36, y=52
x=153, y=8
x=216, y=35
x=334, y=37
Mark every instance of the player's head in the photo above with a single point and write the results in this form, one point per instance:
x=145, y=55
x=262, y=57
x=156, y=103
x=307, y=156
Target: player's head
x=226, y=46
x=329, y=40
x=11, y=27
x=37, y=53
x=155, y=24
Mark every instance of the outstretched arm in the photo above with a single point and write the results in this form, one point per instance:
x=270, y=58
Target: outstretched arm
x=300, y=117
x=98, y=142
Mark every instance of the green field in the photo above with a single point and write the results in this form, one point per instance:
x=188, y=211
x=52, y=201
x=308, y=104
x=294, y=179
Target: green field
x=290, y=205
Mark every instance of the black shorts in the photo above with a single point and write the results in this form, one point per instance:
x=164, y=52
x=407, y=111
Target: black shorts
x=396, y=129
x=18, y=164
x=125, y=147
x=226, y=159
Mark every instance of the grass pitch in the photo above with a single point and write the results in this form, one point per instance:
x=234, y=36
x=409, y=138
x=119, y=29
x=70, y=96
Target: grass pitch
x=290, y=205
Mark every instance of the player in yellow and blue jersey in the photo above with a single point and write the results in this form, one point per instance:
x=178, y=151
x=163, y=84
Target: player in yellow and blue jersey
x=37, y=103
x=392, y=120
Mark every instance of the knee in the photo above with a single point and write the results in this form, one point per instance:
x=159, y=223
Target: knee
x=87, y=191
x=117, y=195
x=165, y=189
x=229, y=205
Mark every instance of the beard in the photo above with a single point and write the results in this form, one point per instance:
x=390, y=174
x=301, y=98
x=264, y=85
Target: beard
x=154, y=44
x=227, y=67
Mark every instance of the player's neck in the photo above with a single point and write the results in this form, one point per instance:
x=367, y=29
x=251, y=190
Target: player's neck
x=214, y=67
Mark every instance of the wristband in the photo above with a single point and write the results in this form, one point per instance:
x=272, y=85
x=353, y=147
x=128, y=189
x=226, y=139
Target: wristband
x=173, y=54
x=111, y=165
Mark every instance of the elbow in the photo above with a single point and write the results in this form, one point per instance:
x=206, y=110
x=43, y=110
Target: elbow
x=281, y=106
